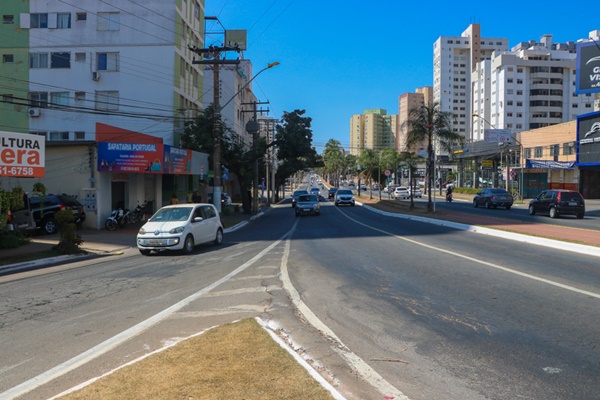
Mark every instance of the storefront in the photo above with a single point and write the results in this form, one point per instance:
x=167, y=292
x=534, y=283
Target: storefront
x=588, y=154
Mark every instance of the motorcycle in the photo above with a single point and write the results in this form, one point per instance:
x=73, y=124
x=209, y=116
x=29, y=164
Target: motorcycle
x=138, y=213
x=118, y=217
x=449, y=197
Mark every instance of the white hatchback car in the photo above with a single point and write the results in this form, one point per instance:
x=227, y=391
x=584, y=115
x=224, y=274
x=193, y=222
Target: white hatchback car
x=180, y=227
x=401, y=192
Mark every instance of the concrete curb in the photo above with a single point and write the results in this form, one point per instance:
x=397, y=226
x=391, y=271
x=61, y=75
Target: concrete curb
x=519, y=237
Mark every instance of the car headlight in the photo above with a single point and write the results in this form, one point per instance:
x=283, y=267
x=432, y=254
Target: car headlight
x=142, y=231
x=179, y=229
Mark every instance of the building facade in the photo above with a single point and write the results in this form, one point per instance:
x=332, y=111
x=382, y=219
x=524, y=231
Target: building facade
x=374, y=129
x=454, y=58
x=406, y=102
x=529, y=87
x=68, y=69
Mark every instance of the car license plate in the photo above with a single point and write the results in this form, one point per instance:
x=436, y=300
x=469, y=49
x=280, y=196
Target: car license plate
x=307, y=209
x=154, y=242
x=573, y=203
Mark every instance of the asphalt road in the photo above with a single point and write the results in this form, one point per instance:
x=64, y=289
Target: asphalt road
x=415, y=309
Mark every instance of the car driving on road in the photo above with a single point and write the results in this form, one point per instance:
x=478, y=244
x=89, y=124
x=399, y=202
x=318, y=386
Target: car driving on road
x=332, y=191
x=308, y=204
x=401, y=192
x=180, y=227
x=558, y=202
x=344, y=196
x=493, y=198
x=296, y=194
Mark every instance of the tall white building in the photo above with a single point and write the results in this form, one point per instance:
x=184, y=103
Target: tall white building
x=531, y=86
x=454, y=58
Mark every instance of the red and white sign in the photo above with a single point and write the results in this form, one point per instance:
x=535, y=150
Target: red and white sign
x=22, y=155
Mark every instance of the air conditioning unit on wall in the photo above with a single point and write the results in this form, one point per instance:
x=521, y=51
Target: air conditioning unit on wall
x=34, y=112
x=96, y=76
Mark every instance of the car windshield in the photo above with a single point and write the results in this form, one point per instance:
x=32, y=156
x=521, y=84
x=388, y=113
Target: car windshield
x=343, y=191
x=307, y=197
x=299, y=192
x=172, y=214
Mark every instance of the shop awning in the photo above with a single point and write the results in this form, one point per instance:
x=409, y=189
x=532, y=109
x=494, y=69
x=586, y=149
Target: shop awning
x=549, y=164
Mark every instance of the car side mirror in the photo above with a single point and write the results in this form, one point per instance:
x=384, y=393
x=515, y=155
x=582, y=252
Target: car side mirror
x=198, y=219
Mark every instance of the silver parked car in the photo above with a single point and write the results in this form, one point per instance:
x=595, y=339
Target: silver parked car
x=180, y=227
x=401, y=192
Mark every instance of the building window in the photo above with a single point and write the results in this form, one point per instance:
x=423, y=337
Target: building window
x=107, y=100
x=79, y=135
x=538, y=152
x=38, y=20
x=108, y=61
x=80, y=57
x=8, y=19
x=79, y=97
x=81, y=16
x=108, y=21
x=7, y=98
x=59, y=136
x=554, y=150
x=38, y=60
x=63, y=20
x=8, y=58
x=569, y=148
x=60, y=60
x=527, y=153
x=38, y=99
x=59, y=99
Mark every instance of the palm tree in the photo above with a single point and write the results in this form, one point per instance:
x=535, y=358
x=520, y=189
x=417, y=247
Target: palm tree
x=333, y=158
x=426, y=124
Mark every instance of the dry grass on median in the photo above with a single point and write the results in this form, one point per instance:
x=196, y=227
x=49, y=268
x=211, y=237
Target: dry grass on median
x=234, y=361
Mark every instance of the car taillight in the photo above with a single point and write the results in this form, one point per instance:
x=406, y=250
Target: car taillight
x=558, y=196
x=61, y=207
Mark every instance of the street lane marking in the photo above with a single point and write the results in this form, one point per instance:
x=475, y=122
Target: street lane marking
x=367, y=373
x=479, y=261
x=120, y=338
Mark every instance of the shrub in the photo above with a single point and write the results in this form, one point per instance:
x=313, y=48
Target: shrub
x=11, y=240
x=70, y=241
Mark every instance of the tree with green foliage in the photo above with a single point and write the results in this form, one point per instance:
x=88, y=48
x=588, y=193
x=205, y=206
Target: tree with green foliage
x=199, y=135
x=428, y=123
x=293, y=139
x=334, y=160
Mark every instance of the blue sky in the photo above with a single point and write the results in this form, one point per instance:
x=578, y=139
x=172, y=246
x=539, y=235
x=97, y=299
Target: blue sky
x=339, y=58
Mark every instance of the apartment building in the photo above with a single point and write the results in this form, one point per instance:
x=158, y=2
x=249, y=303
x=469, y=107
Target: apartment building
x=406, y=102
x=90, y=73
x=235, y=96
x=454, y=58
x=529, y=87
x=374, y=129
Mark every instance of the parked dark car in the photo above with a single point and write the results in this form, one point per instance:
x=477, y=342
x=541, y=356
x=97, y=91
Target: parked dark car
x=44, y=208
x=493, y=198
x=558, y=202
x=332, y=192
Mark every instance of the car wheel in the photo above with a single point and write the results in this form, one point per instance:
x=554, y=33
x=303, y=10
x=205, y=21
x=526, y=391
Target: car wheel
x=580, y=216
x=475, y=204
x=188, y=245
x=352, y=204
x=508, y=207
x=50, y=226
x=531, y=210
x=337, y=205
x=219, y=237
x=553, y=213
x=145, y=252
x=487, y=204
x=297, y=214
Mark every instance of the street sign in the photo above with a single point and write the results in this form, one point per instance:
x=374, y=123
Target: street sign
x=387, y=172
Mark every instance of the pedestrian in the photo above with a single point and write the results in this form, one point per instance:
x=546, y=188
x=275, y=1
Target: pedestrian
x=174, y=199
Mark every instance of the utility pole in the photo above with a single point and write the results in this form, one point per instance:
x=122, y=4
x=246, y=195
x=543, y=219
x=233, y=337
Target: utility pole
x=212, y=55
x=253, y=128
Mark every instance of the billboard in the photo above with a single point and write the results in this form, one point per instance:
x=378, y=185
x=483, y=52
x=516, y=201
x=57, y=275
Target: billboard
x=177, y=161
x=143, y=158
x=588, y=68
x=22, y=155
x=588, y=139
x=496, y=135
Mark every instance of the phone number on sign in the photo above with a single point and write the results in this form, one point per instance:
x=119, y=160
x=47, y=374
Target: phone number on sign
x=20, y=171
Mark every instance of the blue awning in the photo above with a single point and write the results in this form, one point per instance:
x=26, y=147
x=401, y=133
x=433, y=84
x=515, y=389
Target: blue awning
x=549, y=164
